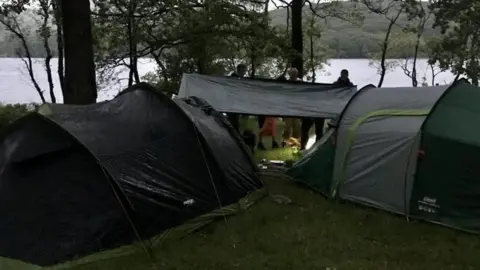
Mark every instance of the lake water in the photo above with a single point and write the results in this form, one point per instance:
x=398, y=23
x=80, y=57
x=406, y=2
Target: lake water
x=16, y=86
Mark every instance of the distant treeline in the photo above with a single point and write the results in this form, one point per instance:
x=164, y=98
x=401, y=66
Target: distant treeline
x=340, y=38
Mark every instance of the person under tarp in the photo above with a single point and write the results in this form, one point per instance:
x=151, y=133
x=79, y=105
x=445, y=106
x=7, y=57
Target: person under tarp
x=292, y=125
x=319, y=123
x=234, y=118
x=269, y=128
x=266, y=126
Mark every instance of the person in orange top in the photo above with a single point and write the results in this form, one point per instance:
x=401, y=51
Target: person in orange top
x=292, y=125
x=268, y=128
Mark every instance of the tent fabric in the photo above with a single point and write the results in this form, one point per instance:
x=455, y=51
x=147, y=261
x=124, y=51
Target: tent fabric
x=267, y=97
x=105, y=175
x=369, y=132
x=374, y=166
x=315, y=168
x=411, y=151
x=224, y=142
x=168, y=235
x=446, y=188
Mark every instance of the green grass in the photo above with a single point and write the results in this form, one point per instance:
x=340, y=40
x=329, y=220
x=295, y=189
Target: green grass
x=276, y=154
x=310, y=233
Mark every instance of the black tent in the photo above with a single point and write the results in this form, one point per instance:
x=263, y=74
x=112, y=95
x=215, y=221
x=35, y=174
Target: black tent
x=76, y=180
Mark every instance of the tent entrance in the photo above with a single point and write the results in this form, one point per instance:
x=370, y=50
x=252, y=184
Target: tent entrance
x=315, y=169
x=377, y=159
x=447, y=182
x=361, y=128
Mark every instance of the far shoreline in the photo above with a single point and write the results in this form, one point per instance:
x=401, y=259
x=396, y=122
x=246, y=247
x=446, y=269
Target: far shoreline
x=144, y=58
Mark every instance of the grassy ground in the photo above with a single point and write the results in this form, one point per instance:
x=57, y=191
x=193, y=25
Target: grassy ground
x=311, y=233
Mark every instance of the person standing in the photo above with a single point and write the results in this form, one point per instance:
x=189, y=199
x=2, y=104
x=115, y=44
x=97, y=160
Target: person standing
x=234, y=118
x=264, y=128
x=292, y=125
x=307, y=123
x=268, y=128
x=240, y=71
x=343, y=80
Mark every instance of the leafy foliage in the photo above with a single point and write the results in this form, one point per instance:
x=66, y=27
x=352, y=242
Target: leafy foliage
x=212, y=37
x=11, y=112
x=459, y=22
x=342, y=38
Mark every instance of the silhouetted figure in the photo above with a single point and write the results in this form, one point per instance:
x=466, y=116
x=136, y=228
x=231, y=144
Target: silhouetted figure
x=307, y=123
x=234, y=118
x=240, y=71
x=343, y=80
x=292, y=125
x=249, y=139
x=261, y=122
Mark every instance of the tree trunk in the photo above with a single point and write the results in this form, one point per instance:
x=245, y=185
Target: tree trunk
x=132, y=43
x=415, y=57
x=297, y=36
x=253, y=61
x=432, y=69
x=420, y=30
x=383, y=70
x=80, y=85
x=383, y=67
x=58, y=24
x=473, y=60
x=312, y=53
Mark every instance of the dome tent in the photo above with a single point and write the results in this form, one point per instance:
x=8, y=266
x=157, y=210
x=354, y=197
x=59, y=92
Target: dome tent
x=80, y=181
x=410, y=151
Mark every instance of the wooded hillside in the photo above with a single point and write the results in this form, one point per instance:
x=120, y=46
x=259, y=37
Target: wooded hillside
x=341, y=38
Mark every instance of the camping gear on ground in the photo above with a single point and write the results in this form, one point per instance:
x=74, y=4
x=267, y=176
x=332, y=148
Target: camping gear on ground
x=292, y=142
x=411, y=151
x=83, y=183
x=267, y=97
x=291, y=129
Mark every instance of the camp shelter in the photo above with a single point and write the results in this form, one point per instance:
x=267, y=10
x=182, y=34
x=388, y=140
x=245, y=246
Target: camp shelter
x=82, y=183
x=411, y=151
x=267, y=97
x=315, y=168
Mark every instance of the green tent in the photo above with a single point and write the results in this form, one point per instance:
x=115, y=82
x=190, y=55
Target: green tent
x=316, y=164
x=411, y=151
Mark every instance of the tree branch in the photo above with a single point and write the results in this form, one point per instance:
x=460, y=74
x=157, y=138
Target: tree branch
x=12, y=25
x=45, y=34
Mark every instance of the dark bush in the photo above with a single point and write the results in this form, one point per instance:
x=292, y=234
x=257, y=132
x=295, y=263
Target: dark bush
x=11, y=112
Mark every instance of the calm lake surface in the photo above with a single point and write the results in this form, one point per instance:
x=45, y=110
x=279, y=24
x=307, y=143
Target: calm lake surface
x=16, y=86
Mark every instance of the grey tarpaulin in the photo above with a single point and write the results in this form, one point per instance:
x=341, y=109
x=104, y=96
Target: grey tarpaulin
x=267, y=97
